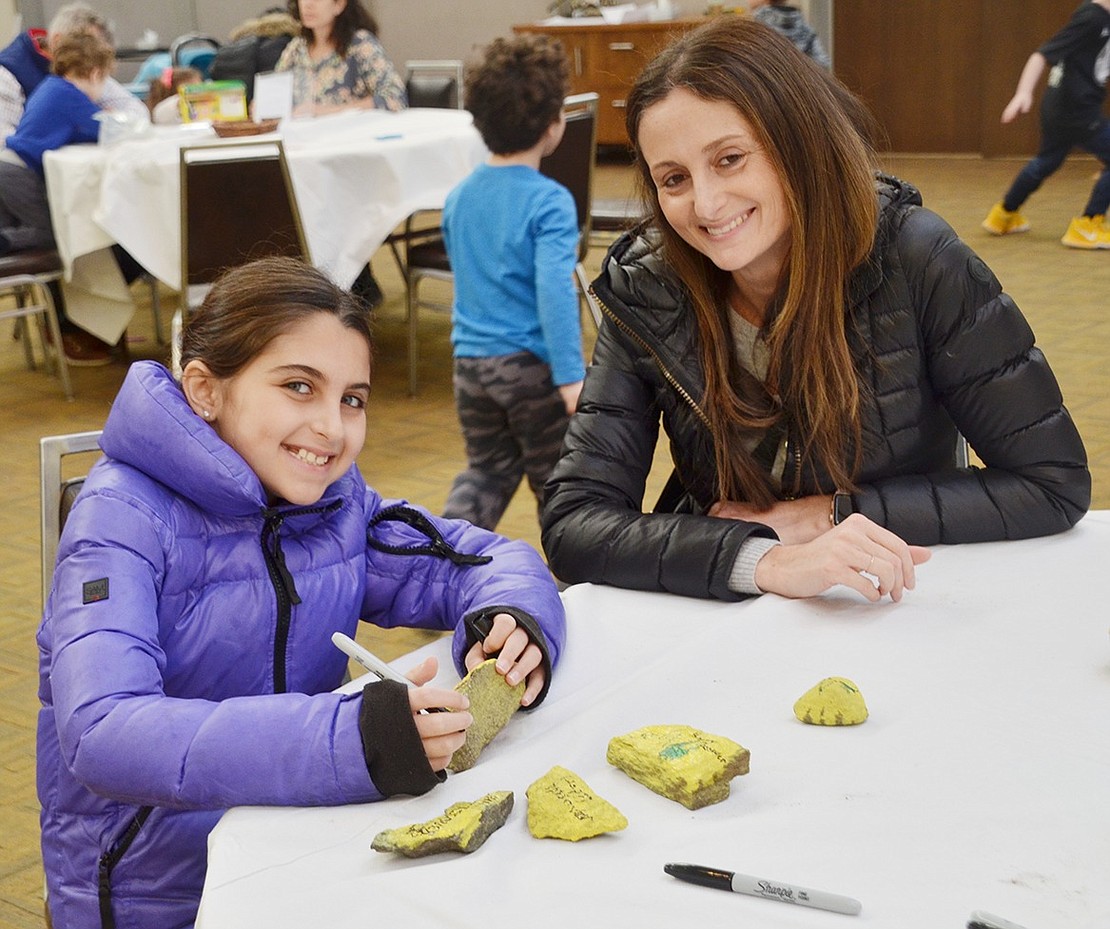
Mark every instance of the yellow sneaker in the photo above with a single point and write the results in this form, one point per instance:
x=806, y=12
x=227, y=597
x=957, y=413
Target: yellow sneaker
x=1001, y=221
x=1087, y=232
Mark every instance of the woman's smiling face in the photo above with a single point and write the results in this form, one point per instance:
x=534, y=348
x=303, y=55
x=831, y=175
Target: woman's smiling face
x=716, y=186
x=297, y=412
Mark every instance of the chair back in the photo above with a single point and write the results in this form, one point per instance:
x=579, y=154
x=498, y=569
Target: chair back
x=194, y=51
x=572, y=163
x=437, y=83
x=151, y=68
x=56, y=494
x=237, y=205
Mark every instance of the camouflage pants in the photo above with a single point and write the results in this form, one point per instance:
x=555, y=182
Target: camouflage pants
x=513, y=421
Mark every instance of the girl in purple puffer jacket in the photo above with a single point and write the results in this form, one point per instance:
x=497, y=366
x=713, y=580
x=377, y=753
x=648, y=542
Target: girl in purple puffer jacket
x=185, y=653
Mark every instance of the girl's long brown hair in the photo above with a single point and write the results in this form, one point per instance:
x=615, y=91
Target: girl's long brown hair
x=815, y=133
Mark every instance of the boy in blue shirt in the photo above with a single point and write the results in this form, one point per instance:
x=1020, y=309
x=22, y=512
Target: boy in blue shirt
x=512, y=239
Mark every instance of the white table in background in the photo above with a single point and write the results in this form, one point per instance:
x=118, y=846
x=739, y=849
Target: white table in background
x=356, y=176
x=979, y=782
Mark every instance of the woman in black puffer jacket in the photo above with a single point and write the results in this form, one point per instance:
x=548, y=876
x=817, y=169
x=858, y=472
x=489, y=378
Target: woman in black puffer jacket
x=814, y=342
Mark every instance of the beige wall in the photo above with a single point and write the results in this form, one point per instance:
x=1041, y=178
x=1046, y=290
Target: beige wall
x=409, y=28
x=8, y=17
x=447, y=28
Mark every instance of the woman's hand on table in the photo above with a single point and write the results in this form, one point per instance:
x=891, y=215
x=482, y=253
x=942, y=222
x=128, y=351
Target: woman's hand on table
x=851, y=554
x=441, y=733
x=518, y=657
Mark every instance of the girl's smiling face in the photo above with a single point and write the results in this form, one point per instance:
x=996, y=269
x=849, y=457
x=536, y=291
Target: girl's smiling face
x=297, y=412
x=716, y=186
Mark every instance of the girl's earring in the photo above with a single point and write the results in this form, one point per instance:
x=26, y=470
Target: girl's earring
x=207, y=414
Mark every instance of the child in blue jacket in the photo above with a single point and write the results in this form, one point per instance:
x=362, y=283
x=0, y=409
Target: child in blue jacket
x=60, y=111
x=186, y=656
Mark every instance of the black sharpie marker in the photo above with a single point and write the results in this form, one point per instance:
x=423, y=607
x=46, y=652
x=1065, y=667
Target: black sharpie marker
x=759, y=887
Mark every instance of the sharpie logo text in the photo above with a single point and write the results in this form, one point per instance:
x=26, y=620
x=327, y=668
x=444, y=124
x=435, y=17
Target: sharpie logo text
x=767, y=889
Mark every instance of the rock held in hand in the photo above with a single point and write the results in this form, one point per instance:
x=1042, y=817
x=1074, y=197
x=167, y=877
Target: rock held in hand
x=492, y=704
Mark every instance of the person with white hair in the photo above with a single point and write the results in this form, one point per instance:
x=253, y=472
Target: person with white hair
x=26, y=61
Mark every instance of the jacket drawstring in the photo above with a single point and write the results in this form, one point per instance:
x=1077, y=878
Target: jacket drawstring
x=437, y=545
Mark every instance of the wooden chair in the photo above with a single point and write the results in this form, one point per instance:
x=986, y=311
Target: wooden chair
x=27, y=277
x=237, y=205
x=434, y=83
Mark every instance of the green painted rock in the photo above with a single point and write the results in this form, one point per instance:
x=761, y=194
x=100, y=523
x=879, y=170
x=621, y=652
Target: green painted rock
x=681, y=763
x=835, y=701
x=562, y=806
x=492, y=704
x=463, y=827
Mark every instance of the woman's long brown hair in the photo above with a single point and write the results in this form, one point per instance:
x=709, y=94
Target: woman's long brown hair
x=815, y=133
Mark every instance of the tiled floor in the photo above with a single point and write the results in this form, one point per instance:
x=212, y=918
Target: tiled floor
x=413, y=448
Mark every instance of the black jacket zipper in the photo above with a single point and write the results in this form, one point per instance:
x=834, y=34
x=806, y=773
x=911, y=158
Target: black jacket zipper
x=639, y=340
x=285, y=590
x=110, y=859
x=793, y=452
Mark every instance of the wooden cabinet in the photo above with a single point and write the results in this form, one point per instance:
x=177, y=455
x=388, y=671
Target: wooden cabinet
x=606, y=60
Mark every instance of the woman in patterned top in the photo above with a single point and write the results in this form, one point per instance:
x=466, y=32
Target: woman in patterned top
x=338, y=62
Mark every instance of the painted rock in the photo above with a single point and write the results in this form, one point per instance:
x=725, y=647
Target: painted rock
x=463, y=827
x=681, y=763
x=562, y=806
x=835, y=701
x=492, y=704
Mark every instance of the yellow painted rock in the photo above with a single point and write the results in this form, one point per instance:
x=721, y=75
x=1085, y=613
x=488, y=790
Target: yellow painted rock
x=835, y=701
x=492, y=704
x=681, y=763
x=562, y=806
x=463, y=827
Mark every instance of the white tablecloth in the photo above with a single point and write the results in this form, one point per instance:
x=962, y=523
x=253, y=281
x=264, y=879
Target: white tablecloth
x=979, y=782
x=356, y=175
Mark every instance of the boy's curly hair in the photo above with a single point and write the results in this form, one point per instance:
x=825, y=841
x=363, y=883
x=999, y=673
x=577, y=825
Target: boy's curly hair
x=516, y=91
x=81, y=54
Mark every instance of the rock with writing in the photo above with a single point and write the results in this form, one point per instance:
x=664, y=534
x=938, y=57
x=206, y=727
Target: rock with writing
x=492, y=704
x=681, y=763
x=462, y=827
x=835, y=701
x=562, y=806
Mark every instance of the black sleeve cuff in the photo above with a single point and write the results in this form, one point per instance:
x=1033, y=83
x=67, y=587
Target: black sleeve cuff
x=480, y=623
x=394, y=753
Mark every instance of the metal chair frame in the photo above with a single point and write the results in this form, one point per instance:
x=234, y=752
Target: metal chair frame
x=56, y=495
x=23, y=285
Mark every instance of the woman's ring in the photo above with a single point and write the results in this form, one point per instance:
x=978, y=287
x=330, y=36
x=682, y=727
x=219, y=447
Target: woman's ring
x=867, y=570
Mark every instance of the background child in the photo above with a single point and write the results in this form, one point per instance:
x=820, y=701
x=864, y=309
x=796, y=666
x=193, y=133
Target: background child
x=162, y=98
x=59, y=112
x=185, y=652
x=1071, y=115
x=512, y=239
